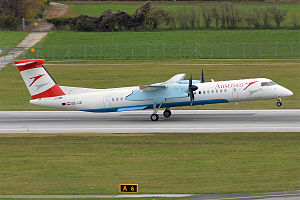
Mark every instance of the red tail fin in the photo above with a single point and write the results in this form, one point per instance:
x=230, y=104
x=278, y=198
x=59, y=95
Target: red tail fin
x=38, y=81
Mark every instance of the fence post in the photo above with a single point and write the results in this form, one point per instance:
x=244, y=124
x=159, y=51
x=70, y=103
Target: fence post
x=227, y=50
x=37, y=52
x=84, y=51
x=292, y=47
x=23, y=52
x=148, y=50
x=180, y=56
x=4, y=54
x=132, y=51
x=275, y=49
x=13, y=50
x=164, y=49
x=196, y=50
x=116, y=51
x=244, y=50
x=40, y=27
x=100, y=51
x=69, y=51
x=259, y=50
x=211, y=50
x=53, y=52
x=23, y=23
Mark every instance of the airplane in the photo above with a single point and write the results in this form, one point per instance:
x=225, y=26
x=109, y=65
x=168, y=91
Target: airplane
x=172, y=93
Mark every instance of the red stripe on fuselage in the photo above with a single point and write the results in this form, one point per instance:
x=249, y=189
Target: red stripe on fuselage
x=52, y=92
x=250, y=84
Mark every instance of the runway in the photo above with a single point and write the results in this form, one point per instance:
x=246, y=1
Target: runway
x=181, y=121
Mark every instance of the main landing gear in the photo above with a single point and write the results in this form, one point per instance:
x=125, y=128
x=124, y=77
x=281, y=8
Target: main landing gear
x=279, y=103
x=154, y=117
x=167, y=113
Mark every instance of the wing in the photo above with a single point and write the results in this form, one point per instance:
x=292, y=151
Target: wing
x=174, y=79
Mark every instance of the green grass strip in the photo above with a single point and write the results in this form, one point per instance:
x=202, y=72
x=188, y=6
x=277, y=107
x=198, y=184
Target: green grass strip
x=159, y=163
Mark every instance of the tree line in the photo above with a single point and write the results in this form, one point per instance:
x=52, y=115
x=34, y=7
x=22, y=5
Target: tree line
x=12, y=11
x=224, y=15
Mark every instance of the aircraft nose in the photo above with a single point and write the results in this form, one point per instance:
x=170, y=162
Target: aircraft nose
x=287, y=92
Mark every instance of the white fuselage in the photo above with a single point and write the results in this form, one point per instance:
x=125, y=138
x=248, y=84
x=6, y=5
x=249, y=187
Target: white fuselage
x=111, y=100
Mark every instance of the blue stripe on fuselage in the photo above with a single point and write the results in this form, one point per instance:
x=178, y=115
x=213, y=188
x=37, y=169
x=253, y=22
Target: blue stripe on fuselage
x=164, y=105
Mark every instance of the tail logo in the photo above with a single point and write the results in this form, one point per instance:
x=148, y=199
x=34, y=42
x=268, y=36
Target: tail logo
x=36, y=78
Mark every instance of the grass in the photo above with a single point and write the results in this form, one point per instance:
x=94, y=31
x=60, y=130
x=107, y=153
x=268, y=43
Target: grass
x=10, y=39
x=159, y=163
x=102, y=74
x=60, y=45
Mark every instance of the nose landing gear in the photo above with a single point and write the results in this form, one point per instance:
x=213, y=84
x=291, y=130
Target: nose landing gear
x=279, y=103
x=154, y=116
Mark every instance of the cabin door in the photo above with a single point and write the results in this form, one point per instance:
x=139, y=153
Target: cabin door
x=106, y=101
x=235, y=94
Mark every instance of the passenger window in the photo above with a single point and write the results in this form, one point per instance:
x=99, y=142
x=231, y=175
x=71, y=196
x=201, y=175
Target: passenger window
x=220, y=90
x=216, y=91
x=112, y=99
x=212, y=91
x=203, y=92
x=199, y=92
x=207, y=91
x=121, y=99
x=117, y=99
x=225, y=90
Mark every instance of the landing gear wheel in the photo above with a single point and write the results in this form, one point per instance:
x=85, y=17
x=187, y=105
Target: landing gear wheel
x=279, y=103
x=154, y=117
x=167, y=113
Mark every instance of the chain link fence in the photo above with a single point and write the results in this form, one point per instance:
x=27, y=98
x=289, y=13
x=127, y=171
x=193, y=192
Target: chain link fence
x=159, y=51
x=32, y=25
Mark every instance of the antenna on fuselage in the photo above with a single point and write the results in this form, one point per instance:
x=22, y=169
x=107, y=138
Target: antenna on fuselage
x=203, y=77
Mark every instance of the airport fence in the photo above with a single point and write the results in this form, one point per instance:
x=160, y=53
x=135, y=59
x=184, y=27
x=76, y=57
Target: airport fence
x=159, y=51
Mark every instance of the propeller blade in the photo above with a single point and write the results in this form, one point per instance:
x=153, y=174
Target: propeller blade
x=192, y=88
x=203, y=78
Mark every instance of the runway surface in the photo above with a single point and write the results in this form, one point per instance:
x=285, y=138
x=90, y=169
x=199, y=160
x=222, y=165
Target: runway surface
x=285, y=195
x=181, y=121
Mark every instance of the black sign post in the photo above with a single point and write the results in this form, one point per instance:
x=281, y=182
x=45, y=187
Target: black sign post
x=129, y=188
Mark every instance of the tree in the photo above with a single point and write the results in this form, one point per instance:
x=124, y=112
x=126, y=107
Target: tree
x=22, y=8
x=265, y=17
x=216, y=16
x=294, y=18
x=182, y=18
x=155, y=17
x=254, y=18
x=207, y=16
x=192, y=17
x=277, y=14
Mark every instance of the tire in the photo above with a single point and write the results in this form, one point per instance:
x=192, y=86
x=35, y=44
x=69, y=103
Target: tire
x=167, y=113
x=154, y=117
x=279, y=103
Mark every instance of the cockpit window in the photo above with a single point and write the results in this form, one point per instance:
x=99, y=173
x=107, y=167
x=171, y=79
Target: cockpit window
x=268, y=83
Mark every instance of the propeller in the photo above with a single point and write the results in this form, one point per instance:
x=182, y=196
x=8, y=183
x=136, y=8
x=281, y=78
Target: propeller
x=203, y=77
x=192, y=88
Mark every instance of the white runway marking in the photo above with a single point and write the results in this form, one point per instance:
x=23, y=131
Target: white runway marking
x=181, y=121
